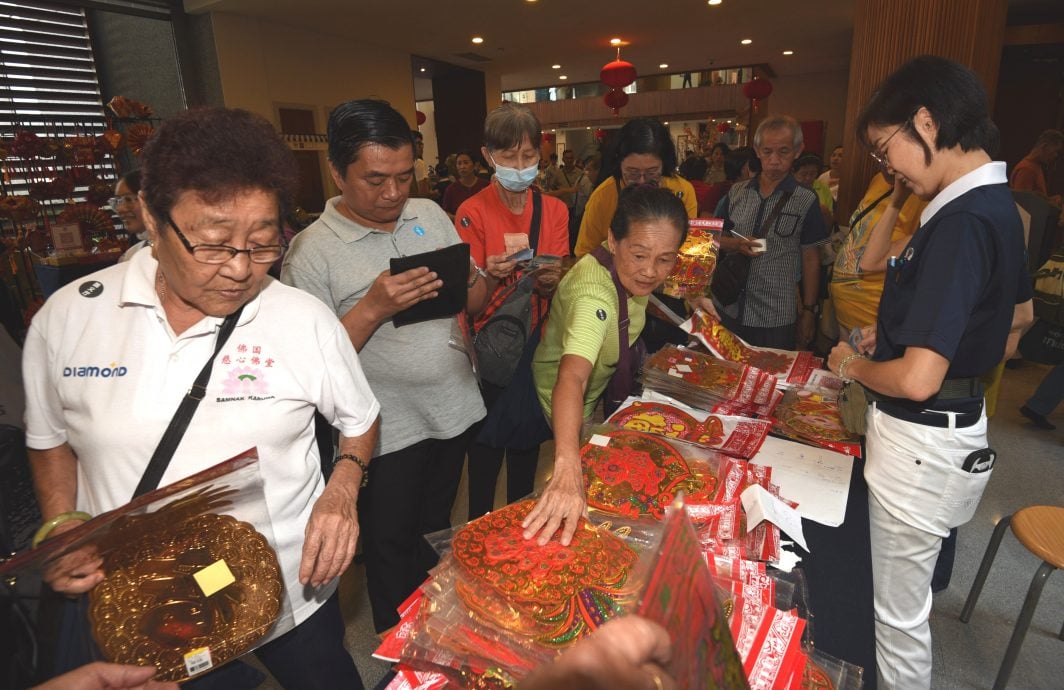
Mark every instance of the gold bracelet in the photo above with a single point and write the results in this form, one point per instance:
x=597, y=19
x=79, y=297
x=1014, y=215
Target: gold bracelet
x=47, y=527
x=846, y=361
x=358, y=461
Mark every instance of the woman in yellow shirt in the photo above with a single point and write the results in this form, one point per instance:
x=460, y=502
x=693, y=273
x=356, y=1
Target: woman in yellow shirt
x=643, y=155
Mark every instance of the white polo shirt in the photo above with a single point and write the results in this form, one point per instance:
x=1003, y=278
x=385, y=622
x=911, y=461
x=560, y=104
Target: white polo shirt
x=104, y=372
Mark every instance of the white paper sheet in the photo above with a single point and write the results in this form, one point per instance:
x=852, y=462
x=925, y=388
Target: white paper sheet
x=760, y=505
x=817, y=478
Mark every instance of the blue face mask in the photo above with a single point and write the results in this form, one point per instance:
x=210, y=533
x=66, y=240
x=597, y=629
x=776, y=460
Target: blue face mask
x=514, y=180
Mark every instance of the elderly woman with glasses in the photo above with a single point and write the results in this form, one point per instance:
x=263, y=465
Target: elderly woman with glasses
x=954, y=302
x=126, y=205
x=642, y=155
x=108, y=360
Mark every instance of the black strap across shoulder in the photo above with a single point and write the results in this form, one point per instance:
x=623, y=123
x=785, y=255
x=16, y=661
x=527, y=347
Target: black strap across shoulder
x=160, y=459
x=763, y=230
x=623, y=378
x=537, y=214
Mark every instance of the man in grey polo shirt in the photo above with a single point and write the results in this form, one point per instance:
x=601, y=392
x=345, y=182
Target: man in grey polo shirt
x=428, y=394
x=772, y=205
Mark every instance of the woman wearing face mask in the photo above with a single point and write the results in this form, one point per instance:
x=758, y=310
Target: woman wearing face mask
x=581, y=352
x=497, y=222
x=644, y=154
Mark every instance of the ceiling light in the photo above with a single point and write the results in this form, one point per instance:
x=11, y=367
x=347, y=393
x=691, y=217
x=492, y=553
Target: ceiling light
x=745, y=41
x=422, y=69
x=714, y=2
x=587, y=128
x=666, y=122
x=663, y=65
x=562, y=76
x=553, y=130
x=615, y=41
x=788, y=52
x=478, y=39
x=555, y=66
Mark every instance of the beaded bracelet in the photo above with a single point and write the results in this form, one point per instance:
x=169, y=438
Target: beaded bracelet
x=847, y=360
x=47, y=527
x=358, y=461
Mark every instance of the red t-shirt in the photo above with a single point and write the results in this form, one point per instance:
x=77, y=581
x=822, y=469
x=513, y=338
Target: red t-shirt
x=484, y=221
x=457, y=193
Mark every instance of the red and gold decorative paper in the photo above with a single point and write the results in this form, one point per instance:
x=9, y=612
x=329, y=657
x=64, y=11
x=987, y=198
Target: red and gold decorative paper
x=735, y=435
x=789, y=367
x=696, y=260
x=810, y=416
x=702, y=380
x=565, y=592
x=680, y=596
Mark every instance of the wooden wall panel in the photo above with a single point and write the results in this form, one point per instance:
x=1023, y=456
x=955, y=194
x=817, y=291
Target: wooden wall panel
x=886, y=33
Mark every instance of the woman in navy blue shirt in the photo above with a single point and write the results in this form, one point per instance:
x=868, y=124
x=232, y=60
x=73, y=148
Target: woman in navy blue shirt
x=953, y=305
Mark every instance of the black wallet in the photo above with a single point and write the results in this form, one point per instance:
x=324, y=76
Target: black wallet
x=451, y=265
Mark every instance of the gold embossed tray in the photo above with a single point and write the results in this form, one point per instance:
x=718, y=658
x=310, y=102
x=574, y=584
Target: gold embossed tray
x=150, y=610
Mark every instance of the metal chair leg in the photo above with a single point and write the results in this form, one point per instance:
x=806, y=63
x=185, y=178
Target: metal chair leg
x=1034, y=592
x=1061, y=635
x=984, y=567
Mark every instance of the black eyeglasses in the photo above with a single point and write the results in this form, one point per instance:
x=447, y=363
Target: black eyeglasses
x=880, y=156
x=221, y=253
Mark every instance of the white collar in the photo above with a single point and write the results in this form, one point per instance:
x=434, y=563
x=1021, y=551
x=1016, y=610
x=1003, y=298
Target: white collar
x=138, y=288
x=986, y=174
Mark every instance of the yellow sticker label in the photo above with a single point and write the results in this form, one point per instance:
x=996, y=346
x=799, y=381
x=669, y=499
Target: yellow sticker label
x=214, y=578
x=199, y=660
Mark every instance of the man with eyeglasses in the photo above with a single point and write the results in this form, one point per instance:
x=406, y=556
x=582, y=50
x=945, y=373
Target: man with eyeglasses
x=770, y=311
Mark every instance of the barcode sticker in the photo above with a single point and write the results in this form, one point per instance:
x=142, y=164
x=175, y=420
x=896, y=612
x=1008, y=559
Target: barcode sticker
x=673, y=372
x=599, y=440
x=684, y=368
x=198, y=660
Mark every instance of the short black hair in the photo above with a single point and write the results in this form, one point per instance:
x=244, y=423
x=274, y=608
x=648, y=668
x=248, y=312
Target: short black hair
x=807, y=159
x=132, y=180
x=642, y=135
x=951, y=92
x=644, y=203
x=359, y=123
x=722, y=146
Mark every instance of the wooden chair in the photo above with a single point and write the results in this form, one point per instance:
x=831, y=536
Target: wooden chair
x=1041, y=531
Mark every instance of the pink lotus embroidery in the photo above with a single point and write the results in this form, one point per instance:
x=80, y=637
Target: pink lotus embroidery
x=245, y=381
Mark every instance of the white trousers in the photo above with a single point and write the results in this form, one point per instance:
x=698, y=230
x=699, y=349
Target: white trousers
x=917, y=492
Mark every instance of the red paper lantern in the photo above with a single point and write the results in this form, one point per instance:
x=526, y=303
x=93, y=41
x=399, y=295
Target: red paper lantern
x=421, y=118
x=616, y=99
x=618, y=74
x=723, y=127
x=757, y=88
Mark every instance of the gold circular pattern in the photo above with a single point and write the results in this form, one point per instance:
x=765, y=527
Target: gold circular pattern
x=151, y=612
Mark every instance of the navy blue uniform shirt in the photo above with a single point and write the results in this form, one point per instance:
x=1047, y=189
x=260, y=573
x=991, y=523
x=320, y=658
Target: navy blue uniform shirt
x=955, y=287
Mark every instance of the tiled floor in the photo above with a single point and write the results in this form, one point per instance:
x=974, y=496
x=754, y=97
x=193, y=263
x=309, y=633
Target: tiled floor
x=1030, y=471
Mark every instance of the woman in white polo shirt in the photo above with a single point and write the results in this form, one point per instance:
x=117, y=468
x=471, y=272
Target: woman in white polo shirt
x=107, y=362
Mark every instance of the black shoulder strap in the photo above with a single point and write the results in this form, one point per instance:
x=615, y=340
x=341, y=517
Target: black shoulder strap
x=868, y=209
x=624, y=358
x=763, y=230
x=160, y=459
x=537, y=213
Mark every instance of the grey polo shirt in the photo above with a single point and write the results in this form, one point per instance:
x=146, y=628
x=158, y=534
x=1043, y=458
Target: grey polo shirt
x=426, y=388
x=771, y=297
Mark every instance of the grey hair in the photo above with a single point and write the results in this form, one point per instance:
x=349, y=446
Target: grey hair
x=508, y=125
x=779, y=122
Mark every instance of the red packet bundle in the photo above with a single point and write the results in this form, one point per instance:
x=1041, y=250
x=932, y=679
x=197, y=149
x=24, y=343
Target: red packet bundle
x=775, y=652
x=696, y=260
x=656, y=414
x=751, y=410
x=680, y=596
x=635, y=475
x=789, y=367
x=810, y=416
x=703, y=381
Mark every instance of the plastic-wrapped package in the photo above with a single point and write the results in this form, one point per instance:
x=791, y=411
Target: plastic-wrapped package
x=680, y=596
x=659, y=414
x=696, y=260
x=191, y=575
x=633, y=474
x=703, y=381
x=822, y=671
x=788, y=366
x=810, y=416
